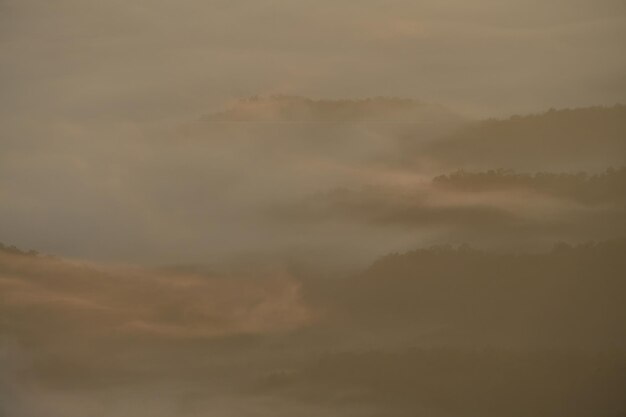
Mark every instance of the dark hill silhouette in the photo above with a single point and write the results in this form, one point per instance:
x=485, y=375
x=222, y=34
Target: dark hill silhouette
x=571, y=296
x=481, y=334
x=588, y=139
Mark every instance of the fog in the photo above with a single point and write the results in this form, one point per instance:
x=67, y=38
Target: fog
x=274, y=208
x=164, y=59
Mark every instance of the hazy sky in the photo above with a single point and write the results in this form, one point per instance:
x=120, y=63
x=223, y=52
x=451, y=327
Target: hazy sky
x=160, y=59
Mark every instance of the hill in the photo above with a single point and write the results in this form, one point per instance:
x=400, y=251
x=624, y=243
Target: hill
x=587, y=139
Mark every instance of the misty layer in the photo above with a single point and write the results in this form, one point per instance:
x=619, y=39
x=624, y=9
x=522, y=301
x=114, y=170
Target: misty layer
x=494, y=207
x=84, y=300
x=608, y=187
x=193, y=192
x=206, y=190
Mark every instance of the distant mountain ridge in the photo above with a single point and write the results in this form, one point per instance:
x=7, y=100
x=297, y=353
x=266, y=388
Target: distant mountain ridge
x=588, y=139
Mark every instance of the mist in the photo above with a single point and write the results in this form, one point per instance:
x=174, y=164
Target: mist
x=273, y=208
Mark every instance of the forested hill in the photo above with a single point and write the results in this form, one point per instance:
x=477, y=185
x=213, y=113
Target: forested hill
x=587, y=139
